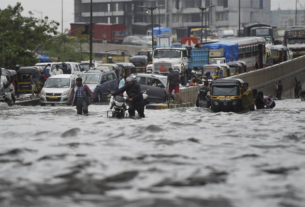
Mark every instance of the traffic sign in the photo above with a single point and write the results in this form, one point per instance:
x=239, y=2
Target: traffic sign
x=162, y=69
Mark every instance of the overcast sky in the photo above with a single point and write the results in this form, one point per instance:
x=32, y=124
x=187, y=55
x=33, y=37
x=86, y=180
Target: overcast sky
x=52, y=8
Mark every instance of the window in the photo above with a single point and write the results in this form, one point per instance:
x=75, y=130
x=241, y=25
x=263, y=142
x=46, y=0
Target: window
x=141, y=80
x=177, y=5
x=104, y=79
x=261, y=5
x=110, y=77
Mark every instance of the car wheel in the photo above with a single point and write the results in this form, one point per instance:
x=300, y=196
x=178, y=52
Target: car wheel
x=42, y=104
x=99, y=96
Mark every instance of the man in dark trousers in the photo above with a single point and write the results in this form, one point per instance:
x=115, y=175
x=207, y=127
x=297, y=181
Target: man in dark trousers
x=297, y=88
x=65, y=68
x=81, y=97
x=202, y=100
x=173, y=82
x=135, y=101
x=279, y=90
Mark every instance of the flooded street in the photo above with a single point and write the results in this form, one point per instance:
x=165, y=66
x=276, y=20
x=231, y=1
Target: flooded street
x=190, y=157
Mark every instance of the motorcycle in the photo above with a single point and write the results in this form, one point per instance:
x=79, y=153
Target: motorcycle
x=119, y=106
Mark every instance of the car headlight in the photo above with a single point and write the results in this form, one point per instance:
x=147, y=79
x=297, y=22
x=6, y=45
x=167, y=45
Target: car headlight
x=216, y=103
x=65, y=93
x=42, y=92
x=234, y=103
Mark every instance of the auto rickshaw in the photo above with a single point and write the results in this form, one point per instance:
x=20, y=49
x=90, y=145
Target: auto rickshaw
x=279, y=53
x=235, y=68
x=226, y=95
x=114, y=67
x=128, y=69
x=140, y=62
x=225, y=69
x=147, y=53
x=244, y=66
x=213, y=69
x=24, y=81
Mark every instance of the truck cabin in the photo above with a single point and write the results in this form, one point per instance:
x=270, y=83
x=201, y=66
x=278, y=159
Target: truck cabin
x=235, y=68
x=140, y=63
x=214, y=71
x=170, y=53
x=127, y=69
x=279, y=53
x=118, y=36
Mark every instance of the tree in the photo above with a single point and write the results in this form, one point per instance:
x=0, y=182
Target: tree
x=21, y=35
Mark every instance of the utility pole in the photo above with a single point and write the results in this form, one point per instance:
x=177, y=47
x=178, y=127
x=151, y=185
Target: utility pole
x=296, y=13
x=62, y=16
x=203, y=9
x=3, y=59
x=90, y=34
x=238, y=18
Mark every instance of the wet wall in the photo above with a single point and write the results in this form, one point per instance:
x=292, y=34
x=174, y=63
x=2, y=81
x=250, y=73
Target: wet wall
x=266, y=79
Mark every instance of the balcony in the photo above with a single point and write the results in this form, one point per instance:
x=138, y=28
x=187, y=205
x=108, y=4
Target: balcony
x=103, y=14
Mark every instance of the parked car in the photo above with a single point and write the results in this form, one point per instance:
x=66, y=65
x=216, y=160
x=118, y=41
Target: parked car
x=132, y=40
x=100, y=83
x=75, y=68
x=155, y=87
x=57, y=89
x=84, y=65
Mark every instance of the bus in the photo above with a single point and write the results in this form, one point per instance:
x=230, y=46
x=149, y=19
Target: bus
x=251, y=50
x=295, y=40
x=259, y=30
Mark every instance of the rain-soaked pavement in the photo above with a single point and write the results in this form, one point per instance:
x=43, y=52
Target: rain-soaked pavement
x=50, y=157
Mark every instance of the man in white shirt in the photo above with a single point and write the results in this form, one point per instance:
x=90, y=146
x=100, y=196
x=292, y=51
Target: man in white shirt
x=57, y=71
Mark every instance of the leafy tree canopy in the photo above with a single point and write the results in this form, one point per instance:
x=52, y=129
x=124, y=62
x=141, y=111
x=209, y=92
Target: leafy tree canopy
x=21, y=35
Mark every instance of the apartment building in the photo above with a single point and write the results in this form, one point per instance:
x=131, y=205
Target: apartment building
x=175, y=13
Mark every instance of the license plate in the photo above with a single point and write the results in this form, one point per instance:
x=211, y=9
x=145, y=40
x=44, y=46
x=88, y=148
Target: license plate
x=52, y=97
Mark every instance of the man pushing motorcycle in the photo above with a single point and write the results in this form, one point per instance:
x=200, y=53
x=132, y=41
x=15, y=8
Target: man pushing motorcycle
x=135, y=97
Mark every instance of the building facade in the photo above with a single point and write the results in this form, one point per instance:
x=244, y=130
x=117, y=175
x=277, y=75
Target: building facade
x=288, y=18
x=175, y=13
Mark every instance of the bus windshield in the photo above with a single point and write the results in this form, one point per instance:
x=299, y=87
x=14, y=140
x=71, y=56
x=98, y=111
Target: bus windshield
x=268, y=40
x=225, y=91
x=198, y=33
x=167, y=53
x=296, y=41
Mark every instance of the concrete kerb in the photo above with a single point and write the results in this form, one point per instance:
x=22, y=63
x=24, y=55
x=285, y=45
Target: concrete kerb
x=171, y=106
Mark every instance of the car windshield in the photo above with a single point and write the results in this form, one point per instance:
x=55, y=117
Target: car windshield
x=225, y=91
x=91, y=78
x=85, y=66
x=120, y=34
x=164, y=80
x=58, y=83
x=167, y=53
x=134, y=38
x=213, y=71
x=296, y=41
x=60, y=66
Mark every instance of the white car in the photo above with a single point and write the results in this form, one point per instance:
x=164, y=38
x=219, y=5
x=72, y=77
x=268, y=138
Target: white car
x=57, y=89
x=75, y=68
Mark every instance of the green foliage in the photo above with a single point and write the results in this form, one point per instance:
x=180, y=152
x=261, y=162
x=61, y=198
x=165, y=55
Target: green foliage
x=22, y=35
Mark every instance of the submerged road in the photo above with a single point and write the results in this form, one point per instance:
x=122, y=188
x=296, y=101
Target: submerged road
x=190, y=157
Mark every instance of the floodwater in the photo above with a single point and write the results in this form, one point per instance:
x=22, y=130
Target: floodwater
x=190, y=157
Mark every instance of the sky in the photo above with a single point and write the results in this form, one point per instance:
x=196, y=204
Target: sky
x=52, y=8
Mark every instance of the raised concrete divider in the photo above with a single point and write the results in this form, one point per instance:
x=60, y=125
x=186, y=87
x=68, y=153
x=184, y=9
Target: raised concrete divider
x=189, y=94
x=266, y=79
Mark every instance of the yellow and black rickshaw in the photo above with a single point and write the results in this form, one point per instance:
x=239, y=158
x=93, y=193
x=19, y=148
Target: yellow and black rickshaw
x=244, y=66
x=279, y=53
x=147, y=53
x=214, y=71
x=226, y=95
x=140, y=62
x=235, y=68
x=127, y=69
x=24, y=81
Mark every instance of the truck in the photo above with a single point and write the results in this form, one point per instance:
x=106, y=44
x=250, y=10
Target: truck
x=182, y=60
x=159, y=31
x=192, y=31
x=295, y=40
x=102, y=32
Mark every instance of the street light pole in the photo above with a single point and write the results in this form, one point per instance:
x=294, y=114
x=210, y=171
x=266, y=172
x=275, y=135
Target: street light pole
x=3, y=48
x=203, y=9
x=90, y=33
x=62, y=16
x=159, y=22
x=152, y=22
x=201, y=24
x=239, y=18
x=40, y=12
